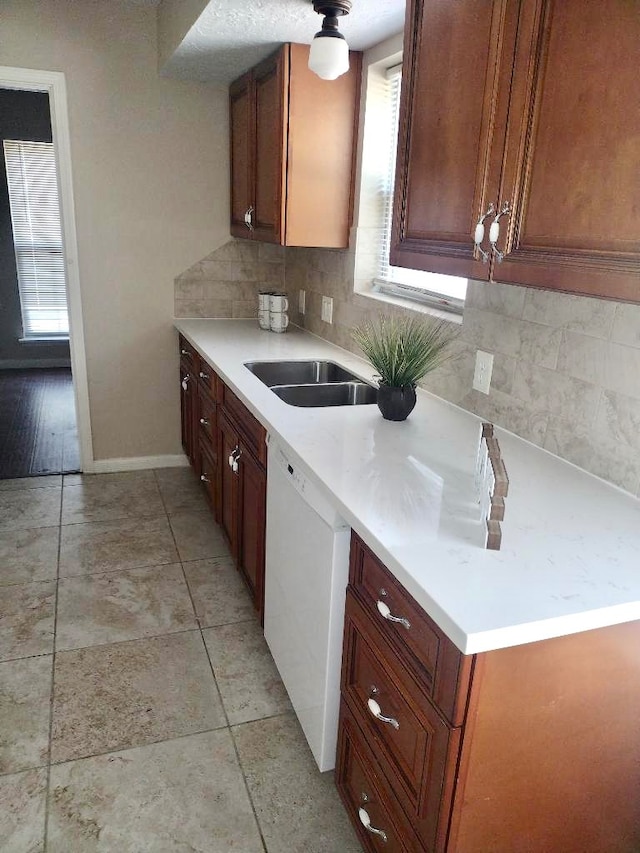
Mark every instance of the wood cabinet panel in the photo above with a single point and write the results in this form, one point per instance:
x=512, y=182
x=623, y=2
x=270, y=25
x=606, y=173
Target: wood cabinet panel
x=571, y=156
x=252, y=502
x=419, y=750
x=209, y=475
x=188, y=396
x=457, y=71
x=253, y=433
x=228, y=483
x=270, y=82
x=241, y=121
x=441, y=668
x=362, y=786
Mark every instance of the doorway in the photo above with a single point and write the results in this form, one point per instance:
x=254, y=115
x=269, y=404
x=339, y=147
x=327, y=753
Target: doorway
x=44, y=410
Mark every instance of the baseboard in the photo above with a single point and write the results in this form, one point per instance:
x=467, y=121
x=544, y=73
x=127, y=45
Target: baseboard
x=135, y=463
x=25, y=363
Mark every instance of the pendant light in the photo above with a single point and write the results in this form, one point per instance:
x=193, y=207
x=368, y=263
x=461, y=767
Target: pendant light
x=329, y=54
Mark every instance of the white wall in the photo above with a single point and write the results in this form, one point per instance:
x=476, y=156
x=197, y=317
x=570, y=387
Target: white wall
x=150, y=160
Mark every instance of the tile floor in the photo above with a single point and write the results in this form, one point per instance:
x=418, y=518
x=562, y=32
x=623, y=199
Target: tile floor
x=140, y=709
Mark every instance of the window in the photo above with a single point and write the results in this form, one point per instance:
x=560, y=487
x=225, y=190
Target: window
x=432, y=288
x=37, y=237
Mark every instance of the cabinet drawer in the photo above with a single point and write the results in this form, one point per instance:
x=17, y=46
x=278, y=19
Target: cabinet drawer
x=253, y=433
x=208, y=378
x=413, y=744
x=187, y=352
x=362, y=786
x=208, y=475
x=442, y=669
x=207, y=422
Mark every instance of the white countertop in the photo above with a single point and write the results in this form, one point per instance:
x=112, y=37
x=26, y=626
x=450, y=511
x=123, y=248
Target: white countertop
x=570, y=558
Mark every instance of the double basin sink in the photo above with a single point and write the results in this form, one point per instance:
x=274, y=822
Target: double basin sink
x=313, y=383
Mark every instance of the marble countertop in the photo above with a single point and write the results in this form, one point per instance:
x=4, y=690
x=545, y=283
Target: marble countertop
x=570, y=557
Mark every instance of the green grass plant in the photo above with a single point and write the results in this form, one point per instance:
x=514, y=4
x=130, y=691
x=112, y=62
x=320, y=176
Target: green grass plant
x=404, y=349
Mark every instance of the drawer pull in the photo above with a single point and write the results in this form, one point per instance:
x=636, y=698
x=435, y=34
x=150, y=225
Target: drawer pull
x=203, y=375
x=185, y=352
x=365, y=820
x=204, y=422
x=384, y=611
x=204, y=478
x=376, y=712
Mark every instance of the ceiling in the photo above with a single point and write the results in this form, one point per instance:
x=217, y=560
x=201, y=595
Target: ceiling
x=230, y=36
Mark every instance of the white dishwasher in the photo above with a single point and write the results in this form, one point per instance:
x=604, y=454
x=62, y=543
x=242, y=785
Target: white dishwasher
x=306, y=574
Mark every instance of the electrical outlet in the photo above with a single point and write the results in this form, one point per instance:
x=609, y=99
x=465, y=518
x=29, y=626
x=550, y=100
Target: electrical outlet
x=302, y=301
x=327, y=309
x=483, y=371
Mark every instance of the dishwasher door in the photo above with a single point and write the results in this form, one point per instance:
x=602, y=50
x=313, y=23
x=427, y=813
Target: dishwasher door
x=306, y=575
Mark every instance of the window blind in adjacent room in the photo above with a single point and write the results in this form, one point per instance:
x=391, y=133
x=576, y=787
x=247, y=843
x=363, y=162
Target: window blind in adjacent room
x=37, y=236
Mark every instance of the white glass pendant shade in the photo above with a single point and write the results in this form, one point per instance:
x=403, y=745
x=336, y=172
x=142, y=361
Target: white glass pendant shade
x=329, y=56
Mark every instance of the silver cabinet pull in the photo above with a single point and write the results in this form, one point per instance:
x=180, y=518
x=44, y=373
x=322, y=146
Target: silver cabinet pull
x=203, y=375
x=376, y=711
x=184, y=352
x=235, y=454
x=204, y=422
x=204, y=478
x=478, y=234
x=365, y=820
x=384, y=611
x=494, y=231
x=185, y=381
x=248, y=218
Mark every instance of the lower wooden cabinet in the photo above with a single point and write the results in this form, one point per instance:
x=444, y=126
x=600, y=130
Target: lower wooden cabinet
x=518, y=750
x=226, y=446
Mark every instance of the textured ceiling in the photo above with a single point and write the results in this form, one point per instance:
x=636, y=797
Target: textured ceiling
x=232, y=35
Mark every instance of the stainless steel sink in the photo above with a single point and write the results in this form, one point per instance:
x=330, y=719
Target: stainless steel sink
x=313, y=383
x=299, y=372
x=327, y=394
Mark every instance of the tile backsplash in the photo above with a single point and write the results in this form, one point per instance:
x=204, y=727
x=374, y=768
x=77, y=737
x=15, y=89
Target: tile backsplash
x=566, y=372
x=226, y=282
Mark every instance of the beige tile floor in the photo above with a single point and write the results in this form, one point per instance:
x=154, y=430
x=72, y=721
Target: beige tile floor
x=140, y=709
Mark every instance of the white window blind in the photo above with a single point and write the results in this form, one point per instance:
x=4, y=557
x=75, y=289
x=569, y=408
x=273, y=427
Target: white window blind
x=37, y=236
x=432, y=288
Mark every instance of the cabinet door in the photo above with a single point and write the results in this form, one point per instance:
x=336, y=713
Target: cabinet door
x=242, y=121
x=252, y=524
x=188, y=410
x=271, y=82
x=228, y=483
x=455, y=89
x=571, y=163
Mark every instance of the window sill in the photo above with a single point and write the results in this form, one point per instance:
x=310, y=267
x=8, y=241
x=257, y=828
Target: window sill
x=53, y=339
x=411, y=305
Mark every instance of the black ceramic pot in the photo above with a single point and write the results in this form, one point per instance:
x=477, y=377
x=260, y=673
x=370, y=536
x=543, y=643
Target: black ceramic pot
x=396, y=403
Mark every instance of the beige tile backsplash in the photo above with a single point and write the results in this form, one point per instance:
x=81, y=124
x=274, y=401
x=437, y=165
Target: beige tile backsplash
x=226, y=282
x=566, y=371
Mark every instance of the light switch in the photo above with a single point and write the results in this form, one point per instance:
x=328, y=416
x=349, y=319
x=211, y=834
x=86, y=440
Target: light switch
x=327, y=309
x=483, y=371
x=302, y=301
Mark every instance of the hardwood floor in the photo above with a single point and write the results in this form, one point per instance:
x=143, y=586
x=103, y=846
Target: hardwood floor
x=38, y=432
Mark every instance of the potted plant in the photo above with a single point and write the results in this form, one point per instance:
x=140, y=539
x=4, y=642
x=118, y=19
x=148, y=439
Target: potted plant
x=402, y=351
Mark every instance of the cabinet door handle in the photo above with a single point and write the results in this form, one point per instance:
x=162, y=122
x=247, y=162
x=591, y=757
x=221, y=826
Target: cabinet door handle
x=478, y=234
x=384, y=611
x=204, y=422
x=185, y=381
x=365, y=820
x=376, y=712
x=235, y=465
x=494, y=231
x=247, y=218
x=203, y=375
x=204, y=478
x=232, y=455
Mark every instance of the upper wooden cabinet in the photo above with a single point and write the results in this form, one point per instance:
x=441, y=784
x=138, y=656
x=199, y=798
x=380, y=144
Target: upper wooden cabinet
x=292, y=152
x=528, y=108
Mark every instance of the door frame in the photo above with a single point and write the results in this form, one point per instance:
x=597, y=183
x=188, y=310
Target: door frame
x=53, y=82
